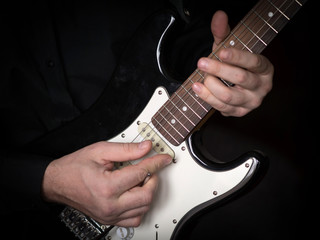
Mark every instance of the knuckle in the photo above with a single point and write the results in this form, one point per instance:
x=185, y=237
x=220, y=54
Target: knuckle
x=226, y=98
x=268, y=86
x=240, y=112
x=141, y=174
x=256, y=102
x=108, y=210
x=241, y=77
x=147, y=198
x=222, y=107
x=126, y=147
x=257, y=61
x=216, y=67
x=95, y=146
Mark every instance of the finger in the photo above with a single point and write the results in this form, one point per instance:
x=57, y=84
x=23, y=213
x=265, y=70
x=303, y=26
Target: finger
x=118, y=152
x=130, y=222
x=130, y=218
x=231, y=73
x=204, y=93
x=134, y=175
x=140, y=195
x=219, y=27
x=255, y=63
x=240, y=108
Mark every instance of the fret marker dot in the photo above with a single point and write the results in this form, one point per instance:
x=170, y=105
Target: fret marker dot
x=270, y=14
x=232, y=43
x=173, y=121
x=184, y=108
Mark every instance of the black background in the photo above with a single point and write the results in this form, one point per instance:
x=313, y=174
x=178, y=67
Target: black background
x=284, y=128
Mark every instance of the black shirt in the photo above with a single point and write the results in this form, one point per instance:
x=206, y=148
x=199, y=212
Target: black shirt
x=57, y=58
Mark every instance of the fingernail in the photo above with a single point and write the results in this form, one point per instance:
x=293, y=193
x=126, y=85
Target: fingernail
x=203, y=63
x=196, y=88
x=143, y=145
x=168, y=160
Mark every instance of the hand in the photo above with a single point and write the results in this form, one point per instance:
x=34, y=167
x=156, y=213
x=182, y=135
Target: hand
x=86, y=181
x=251, y=73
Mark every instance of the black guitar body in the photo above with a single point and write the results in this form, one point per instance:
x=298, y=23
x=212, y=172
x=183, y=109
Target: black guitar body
x=141, y=70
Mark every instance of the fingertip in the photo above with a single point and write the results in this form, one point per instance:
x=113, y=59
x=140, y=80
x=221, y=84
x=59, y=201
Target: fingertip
x=144, y=145
x=197, y=87
x=219, y=26
x=203, y=63
x=225, y=54
x=167, y=160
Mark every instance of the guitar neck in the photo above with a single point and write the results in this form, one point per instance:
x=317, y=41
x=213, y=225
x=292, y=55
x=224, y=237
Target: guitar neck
x=183, y=112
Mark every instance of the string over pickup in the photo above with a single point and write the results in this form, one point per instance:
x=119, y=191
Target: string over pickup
x=158, y=145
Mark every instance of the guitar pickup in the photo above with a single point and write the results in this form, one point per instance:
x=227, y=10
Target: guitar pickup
x=158, y=144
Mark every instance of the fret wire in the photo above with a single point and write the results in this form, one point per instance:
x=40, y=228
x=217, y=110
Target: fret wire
x=248, y=20
x=254, y=33
x=187, y=93
x=253, y=13
x=174, y=117
x=279, y=10
x=174, y=109
x=201, y=102
x=281, y=14
x=188, y=106
x=242, y=42
x=289, y=7
x=170, y=124
x=164, y=117
x=195, y=99
x=266, y=22
x=181, y=111
x=165, y=130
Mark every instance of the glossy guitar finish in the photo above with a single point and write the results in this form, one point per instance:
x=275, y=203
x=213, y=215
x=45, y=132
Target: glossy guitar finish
x=192, y=183
x=185, y=185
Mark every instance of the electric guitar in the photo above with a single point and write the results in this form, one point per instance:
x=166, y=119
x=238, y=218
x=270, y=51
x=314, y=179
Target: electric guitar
x=192, y=184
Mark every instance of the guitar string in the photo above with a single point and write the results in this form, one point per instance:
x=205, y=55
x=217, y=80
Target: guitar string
x=212, y=54
x=243, y=22
x=188, y=89
x=174, y=106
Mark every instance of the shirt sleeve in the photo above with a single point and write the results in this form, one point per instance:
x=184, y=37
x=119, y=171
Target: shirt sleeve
x=21, y=178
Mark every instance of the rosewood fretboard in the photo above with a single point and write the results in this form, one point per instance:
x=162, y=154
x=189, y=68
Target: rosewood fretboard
x=184, y=110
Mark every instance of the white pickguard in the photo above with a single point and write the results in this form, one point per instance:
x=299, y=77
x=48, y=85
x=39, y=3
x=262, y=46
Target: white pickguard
x=183, y=185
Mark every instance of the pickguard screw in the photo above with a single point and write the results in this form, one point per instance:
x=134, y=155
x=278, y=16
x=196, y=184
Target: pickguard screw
x=247, y=165
x=215, y=193
x=183, y=148
x=174, y=221
x=123, y=135
x=160, y=92
x=156, y=226
x=138, y=122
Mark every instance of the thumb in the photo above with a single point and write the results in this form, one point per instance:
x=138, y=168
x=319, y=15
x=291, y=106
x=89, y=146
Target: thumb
x=119, y=152
x=219, y=27
x=156, y=163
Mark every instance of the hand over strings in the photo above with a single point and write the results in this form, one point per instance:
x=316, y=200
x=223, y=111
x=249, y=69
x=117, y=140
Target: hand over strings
x=251, y=73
